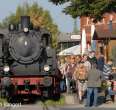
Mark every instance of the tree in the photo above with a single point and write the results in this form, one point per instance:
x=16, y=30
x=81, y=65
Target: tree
x=90, y=8
x=75, y=29
x=39, y=17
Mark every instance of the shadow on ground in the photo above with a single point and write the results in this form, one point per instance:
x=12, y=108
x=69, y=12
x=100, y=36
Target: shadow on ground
x=34, y=99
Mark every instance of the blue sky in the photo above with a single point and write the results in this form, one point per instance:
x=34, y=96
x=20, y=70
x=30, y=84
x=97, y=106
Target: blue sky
x=64, y=22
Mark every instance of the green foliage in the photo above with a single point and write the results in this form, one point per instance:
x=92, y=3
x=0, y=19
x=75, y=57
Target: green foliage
x=104, y=85
x=75, y=29
x=90, y=8
x=39, y=17
x=3, y=102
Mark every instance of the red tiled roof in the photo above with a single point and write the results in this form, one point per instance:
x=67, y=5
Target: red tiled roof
x=103, y=31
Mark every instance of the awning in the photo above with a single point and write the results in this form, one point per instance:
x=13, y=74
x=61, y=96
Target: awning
x=75, y=50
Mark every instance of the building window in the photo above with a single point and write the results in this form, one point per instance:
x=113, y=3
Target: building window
x=102, y=50
x=101, y=47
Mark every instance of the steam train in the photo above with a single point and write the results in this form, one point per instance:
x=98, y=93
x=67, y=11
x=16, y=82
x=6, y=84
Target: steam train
x=28, y=63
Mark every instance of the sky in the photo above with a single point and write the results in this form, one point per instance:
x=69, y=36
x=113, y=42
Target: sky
x=65, y=22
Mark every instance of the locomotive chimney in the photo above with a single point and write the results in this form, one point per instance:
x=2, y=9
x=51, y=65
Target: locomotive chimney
x=25, y=22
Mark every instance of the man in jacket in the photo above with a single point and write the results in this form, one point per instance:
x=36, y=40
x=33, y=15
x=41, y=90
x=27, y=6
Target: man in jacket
x=93, y=84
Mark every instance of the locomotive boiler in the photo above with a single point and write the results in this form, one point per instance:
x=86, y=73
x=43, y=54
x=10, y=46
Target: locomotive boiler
x=28, y=63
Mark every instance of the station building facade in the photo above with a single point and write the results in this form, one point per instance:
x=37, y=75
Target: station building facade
x=104, y=34
x=67, y=40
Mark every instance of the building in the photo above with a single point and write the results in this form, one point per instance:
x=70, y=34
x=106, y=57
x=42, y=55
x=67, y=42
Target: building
x=67, y=40
x=104, y=34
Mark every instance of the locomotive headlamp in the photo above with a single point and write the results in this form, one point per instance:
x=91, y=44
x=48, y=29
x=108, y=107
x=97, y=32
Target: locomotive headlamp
x=26, y=29
x=12, y=27
x=46, y=68
x=6, y=69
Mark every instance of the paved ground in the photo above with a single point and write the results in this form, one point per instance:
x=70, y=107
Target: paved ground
x=31, y=107
x=75, y=106
x=111, y=106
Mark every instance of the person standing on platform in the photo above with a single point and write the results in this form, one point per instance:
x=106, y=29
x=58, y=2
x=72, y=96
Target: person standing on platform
x=81, y=81
x=69, y=70
x=92, y=57
x=107, y=73
x=87, y=64
x=93, y=84
x=100, y=62
x=62, y=70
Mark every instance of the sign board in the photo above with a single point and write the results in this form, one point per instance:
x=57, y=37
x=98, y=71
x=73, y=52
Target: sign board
x=76, y=37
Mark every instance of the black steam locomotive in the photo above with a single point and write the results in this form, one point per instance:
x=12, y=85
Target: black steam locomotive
x=27, y=61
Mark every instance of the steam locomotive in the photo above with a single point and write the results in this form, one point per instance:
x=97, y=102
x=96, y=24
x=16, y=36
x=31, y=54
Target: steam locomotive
x=28, y=63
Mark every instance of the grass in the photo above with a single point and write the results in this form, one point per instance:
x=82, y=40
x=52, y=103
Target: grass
x=3, y=102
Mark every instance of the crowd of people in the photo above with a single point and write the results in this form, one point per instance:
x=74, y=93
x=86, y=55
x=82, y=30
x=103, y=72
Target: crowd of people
x=85, y=74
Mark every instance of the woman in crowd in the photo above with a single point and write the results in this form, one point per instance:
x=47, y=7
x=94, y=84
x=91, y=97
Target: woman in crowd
x=80, y=76
x=86, y=62
x=62, y=70
x=69, y=70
